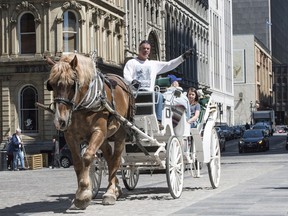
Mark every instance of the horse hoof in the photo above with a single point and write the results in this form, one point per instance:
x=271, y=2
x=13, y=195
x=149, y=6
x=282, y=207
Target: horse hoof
x=83, y=199
x=109, y=199
x=81, y=204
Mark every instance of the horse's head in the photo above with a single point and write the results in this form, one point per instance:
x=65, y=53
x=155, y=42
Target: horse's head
x=65, y=81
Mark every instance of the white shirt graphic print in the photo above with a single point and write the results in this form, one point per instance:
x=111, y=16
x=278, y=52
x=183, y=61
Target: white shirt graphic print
x=143, y=75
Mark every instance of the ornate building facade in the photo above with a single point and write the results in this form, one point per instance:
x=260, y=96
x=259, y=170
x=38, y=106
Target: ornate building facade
x=172, y=27
x=31, y=30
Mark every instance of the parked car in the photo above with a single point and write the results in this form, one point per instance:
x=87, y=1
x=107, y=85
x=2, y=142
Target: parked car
x=255, y=140
x=237, y=131
x=226, y=130
x=262, y=127
x=267, y=125
x=65, y=157
x=221, y=137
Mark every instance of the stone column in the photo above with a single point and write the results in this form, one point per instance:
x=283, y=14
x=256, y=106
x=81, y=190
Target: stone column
x=4, y=31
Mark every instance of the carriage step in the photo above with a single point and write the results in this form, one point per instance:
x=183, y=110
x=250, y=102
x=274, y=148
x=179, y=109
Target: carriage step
x=133, y=148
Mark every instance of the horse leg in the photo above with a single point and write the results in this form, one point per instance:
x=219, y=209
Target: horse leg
x=83, y=194
x=113, y=161
x=109, y=197
x=84, y=191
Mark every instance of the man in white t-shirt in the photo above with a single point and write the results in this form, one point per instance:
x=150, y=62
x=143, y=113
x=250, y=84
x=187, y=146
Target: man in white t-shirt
x=142, y=71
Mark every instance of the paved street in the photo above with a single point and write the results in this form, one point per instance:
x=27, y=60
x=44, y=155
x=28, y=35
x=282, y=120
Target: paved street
x=251, y=184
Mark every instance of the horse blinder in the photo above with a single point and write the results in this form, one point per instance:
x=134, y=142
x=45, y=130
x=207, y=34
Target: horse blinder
x=48, y=86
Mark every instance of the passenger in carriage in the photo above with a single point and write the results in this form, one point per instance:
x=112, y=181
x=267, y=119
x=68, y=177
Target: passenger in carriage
x=195, y=107
x=174, y=82
x=176, y=92
x=141, y=72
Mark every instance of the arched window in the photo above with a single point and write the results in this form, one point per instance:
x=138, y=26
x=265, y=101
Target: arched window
x=27, y=34
x=28, y=111
x=70, y=33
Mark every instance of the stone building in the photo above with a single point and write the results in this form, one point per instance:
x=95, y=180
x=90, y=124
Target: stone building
x=31, y=30
x=280, y=93
x=172, y=27
x=220, y=58
x=266, y=19
x=252, y=77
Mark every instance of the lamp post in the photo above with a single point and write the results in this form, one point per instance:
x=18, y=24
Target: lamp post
x=251, y=107
x=220, y=111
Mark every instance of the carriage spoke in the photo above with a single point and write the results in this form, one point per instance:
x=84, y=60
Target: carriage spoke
x=174, y=167
x=214, y=166
x=130, y=176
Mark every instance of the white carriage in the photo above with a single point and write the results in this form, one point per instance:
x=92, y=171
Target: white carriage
x=176, y=148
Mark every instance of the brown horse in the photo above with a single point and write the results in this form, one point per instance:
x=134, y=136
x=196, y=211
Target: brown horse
x=80, y=94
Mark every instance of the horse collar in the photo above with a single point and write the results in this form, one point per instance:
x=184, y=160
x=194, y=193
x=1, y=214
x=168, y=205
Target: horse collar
x=94, y=95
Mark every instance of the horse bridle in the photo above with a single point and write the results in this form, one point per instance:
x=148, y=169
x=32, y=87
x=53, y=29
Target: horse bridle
x=66, y=101
x=92, y=98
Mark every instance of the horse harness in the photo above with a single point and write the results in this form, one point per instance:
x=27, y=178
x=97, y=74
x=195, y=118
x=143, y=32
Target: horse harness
x=95, y=99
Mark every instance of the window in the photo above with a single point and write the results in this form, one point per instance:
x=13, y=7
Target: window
x=28, y=111
x=70, y=34
x=27, y=34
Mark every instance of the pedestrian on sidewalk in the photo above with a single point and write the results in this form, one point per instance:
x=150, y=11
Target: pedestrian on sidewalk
x=9, y=148
x=18, y=154
x=56, y=152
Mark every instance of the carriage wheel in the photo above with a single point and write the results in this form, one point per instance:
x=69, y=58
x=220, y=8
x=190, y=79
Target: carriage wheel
x=130, y=176
x=214, y=166
x=174, y=167
x=95, y=174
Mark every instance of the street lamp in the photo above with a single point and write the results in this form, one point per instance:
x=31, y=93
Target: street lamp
x=220, y=111
x=251, y=107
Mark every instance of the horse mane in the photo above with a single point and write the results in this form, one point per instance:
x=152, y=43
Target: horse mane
x=62, y=71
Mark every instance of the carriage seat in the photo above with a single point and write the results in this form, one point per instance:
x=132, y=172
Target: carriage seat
x=145, y=100
x=203, y=104
x=163, y=83
x=145, y=115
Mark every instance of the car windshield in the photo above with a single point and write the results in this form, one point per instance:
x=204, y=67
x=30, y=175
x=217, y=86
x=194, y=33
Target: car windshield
x=252, y=133
x=259, y=127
